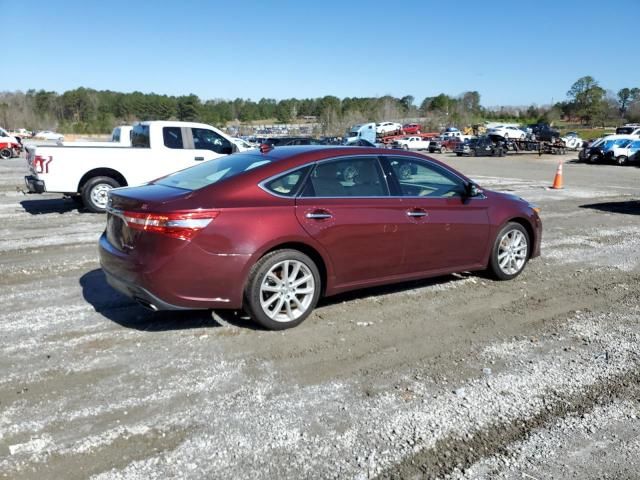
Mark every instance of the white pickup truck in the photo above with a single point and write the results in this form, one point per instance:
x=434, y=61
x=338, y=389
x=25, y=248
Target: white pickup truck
x=87, y=173
x=412, y=143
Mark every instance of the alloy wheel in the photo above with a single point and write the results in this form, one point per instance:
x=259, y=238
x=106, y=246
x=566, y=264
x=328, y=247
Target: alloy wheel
x=287, y=291
x=512, y=252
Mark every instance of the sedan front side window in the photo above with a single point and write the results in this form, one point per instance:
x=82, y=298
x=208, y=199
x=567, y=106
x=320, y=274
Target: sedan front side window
x=417, y=178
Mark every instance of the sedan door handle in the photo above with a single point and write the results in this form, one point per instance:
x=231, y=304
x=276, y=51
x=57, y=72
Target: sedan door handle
x=417, y=213
x=199, y=159
x=318, y=215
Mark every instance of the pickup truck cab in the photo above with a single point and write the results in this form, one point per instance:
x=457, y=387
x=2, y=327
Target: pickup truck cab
x=412, y=143
x=87, y=173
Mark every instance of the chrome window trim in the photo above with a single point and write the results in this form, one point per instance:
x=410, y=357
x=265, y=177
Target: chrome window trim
x=262, y=183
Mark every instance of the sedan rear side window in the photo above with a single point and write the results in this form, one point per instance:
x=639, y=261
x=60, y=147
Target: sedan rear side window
x=287, y=185
x=347, y=177
x=421, y=179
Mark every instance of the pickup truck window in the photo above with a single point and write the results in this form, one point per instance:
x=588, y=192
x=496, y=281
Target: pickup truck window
x=172, y=137
x=140, y=136
x=116, y=135
x=204, y=139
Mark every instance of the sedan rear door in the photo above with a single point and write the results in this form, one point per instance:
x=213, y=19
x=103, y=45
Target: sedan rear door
x=346, y=207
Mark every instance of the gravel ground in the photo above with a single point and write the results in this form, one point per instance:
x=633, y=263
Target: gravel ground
x=454, y=377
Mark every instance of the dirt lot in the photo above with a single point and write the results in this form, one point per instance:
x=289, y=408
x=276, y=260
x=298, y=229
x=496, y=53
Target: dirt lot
x=454, y=377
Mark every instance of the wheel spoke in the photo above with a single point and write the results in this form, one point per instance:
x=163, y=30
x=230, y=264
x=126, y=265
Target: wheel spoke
x=266, y=303
x=502, y=255
x=298, y=303
x=303, y=291
x=272, y=276
x=278, y=308
x=289, y=311
x=302, y=280
x=270, y=288
x=295, y=272
x=504, y=262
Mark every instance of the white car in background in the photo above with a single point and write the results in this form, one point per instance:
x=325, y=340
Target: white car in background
x=388, y=127
x=49, y=135
x=572, y=141
x=243, y=145
x=507, y=132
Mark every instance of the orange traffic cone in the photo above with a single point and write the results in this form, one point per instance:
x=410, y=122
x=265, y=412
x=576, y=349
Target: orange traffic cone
x=557, y=181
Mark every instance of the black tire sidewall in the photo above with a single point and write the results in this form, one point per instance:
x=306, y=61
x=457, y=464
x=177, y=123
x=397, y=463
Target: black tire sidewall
x=6, y=153
x=494, y=267
x=252, y=288
x=89, y=186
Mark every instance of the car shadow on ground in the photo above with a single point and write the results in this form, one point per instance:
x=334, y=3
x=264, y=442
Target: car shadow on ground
x=124, y=311
x=395, y=288
x=629, y=207
x=52, y=205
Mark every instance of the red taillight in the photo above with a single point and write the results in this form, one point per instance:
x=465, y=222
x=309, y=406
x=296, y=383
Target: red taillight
x=41, y=163
x=182, y=225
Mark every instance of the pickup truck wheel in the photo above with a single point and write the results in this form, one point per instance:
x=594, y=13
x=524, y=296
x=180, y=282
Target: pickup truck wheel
x=6, y=153
x=443, y=149
x=406, y=147
x=94, y=193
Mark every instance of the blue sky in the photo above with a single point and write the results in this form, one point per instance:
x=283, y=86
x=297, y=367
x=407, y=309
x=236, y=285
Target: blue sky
x=512, y=52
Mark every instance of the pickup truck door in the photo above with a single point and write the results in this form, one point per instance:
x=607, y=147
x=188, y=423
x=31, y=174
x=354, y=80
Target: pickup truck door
x=206, y=144
x=189, y=146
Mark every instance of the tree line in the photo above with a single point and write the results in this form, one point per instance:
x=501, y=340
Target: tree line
x=84, y=110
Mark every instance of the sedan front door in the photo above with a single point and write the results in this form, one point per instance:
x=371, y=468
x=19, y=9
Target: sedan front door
x=447, y=230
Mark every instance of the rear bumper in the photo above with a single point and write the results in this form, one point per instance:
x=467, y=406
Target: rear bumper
x=141, y=295
x=34, y=185
x=176, y=281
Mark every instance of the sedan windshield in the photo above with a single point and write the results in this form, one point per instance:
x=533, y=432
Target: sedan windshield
x=213, y=171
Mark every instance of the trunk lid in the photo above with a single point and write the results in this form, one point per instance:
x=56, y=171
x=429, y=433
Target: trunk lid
x=146, y=198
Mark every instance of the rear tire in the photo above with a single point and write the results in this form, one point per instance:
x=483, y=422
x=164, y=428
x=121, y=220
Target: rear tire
x=510, y=252
x=282, y=289
x=594, y=158
x=94, y=193
x=6, y=153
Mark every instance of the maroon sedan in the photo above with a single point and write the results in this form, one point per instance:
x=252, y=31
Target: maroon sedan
x=272, y=231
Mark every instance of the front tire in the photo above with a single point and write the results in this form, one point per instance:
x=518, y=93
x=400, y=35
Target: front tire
x=95, y=191
x=6, y=153
x=510, y=252
x=622, y=160
x=282, y=289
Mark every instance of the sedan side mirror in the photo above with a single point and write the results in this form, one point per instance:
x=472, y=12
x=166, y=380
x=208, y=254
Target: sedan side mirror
x=473, y=190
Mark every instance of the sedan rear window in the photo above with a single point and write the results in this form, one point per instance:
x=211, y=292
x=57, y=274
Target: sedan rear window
x=213, y=171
